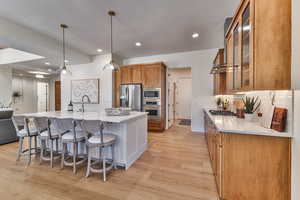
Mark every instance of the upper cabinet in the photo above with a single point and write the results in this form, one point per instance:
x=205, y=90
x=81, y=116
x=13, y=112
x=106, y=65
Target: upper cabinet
x=152, y=75
x=219, y=73
x=258, y=46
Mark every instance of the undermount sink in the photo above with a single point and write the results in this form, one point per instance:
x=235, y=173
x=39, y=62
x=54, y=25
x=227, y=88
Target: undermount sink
x=222, y=112
x=117, y=111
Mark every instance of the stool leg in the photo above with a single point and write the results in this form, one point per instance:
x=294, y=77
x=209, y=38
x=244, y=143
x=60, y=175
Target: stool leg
x=56, y=145
x=104, y=165
x=42, y=151
x=35, y=146
x=20, y=148
x=29, y=150
x=113, y=156
x=51, y=153
x=63, y=151
x=89, y=162
x=74, y=156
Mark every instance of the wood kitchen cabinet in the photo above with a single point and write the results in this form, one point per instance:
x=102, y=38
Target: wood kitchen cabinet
x=150, y=75
x=219, y=73
x=258, y=46
x=248, y=167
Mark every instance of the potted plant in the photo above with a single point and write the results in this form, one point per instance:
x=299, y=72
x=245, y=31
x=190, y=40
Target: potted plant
x=16, y=95
x=219, y=102
x=251, y=105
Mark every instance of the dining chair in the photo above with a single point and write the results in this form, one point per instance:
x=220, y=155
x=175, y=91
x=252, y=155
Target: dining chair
x=48, y=138
x=73, y=138
x=26, y=130
x=98, y=143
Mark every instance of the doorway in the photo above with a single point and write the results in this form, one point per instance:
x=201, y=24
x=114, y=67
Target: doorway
x=180, y=96
x=43, y=96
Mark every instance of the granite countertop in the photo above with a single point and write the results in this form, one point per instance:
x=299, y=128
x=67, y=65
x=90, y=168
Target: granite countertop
x=232, y=124
x=86, y=116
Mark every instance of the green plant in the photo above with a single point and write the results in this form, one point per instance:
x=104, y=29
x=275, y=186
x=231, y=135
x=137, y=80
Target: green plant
x=219, y=101
x=251, y=104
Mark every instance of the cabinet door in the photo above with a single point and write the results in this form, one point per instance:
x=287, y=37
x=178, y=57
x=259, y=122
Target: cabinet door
x=247, y=72
x=218, y=158
x=151, y=76
x=229, y=72
x=126, y=75
x=237, y=75
x=136, y=74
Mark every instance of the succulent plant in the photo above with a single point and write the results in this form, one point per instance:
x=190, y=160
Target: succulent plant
x=251, y=104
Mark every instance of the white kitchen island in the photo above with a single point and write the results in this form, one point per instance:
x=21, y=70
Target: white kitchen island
x=131, y=131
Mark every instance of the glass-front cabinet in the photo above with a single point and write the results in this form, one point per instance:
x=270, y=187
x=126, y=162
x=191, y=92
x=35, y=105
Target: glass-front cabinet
x=238, y=40
x=245, y=61
x=236, y=59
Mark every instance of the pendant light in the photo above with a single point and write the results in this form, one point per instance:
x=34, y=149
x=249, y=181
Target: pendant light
x=64, y=69
x=111, y=65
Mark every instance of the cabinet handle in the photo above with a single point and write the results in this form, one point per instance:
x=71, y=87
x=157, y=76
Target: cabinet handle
x=221, y=146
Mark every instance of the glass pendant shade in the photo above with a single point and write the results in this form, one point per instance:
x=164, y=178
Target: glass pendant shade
x=112, y=66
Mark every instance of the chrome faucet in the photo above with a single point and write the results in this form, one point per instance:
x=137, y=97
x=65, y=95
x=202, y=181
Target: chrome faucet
x=82, y=101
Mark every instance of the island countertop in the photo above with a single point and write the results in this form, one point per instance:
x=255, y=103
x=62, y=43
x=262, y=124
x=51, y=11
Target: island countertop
x=101, y=116
x=232, y=124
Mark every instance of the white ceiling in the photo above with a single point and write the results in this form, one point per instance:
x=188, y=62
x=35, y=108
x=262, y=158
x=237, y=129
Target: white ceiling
x=162, y=26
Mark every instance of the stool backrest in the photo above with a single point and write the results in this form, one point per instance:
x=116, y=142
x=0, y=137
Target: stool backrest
x=21, y=122
x=41, y=123
x=93, y=127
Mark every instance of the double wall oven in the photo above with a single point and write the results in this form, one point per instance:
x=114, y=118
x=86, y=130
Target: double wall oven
x=152, y=103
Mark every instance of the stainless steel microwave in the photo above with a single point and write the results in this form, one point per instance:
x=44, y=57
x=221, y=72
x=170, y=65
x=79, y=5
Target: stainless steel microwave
x=152, y=93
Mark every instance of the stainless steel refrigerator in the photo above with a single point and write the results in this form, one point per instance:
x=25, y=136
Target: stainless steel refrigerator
x=131, y=96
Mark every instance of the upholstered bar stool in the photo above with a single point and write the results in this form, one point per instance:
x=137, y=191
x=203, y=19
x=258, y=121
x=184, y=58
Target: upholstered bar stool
x=73, y=137
x=99, y=141
x=30, y=132
x=50, y=136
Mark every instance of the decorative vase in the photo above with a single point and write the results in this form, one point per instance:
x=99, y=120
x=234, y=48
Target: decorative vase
x=249, y=117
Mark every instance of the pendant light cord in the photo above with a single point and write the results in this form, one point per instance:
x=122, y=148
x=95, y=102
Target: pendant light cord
x=64, y=56
x=111, y=35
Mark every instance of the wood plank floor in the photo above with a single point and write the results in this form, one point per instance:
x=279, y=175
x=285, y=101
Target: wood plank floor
x=175, y=167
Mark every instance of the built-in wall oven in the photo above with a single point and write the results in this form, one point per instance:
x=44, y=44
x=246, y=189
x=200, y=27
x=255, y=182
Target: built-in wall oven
x=154, y=112
x=152, y=103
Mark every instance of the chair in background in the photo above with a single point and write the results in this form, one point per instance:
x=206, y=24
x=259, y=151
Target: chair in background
x=98, y=142
x=73, y=138
x=48, y=139
x=28, y=131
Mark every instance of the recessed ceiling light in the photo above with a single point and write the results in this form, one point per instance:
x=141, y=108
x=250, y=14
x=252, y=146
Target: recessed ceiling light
x=195, y=35
x=47, y=63
x=39, y=76
x=138, y=44
x=38, y=72
x=99, y=50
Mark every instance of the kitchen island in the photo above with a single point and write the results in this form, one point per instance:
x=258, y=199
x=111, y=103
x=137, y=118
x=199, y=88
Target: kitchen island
x=131, y=131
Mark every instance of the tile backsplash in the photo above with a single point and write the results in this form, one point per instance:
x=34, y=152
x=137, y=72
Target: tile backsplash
x=282, y=99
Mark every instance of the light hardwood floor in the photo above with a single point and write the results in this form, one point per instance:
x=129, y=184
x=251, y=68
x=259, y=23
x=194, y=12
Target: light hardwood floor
x=176, y=167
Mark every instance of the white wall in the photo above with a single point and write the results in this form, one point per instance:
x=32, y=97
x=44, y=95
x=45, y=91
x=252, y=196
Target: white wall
x=201, y=63
x=296, y=85
x=89, y=71
x=5, y=85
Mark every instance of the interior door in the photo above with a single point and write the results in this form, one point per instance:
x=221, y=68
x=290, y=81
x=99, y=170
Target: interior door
x=57, y=95
x=43, y=97
x=183, y=98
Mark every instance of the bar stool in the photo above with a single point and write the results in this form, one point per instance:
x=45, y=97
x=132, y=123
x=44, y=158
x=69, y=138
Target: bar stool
x=74, y=137
x=29, y=132
x=99, y=141
x=49, y=136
